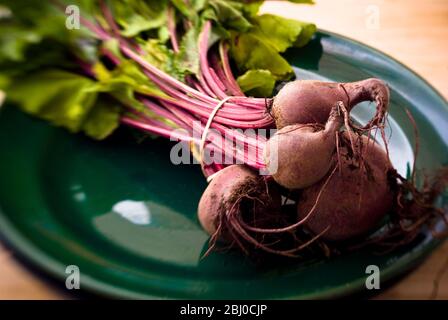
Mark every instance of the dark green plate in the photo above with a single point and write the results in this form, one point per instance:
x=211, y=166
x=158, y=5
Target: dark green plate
x=126, y=216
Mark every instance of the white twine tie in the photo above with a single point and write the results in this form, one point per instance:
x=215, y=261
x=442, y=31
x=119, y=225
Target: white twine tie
x=207, y=128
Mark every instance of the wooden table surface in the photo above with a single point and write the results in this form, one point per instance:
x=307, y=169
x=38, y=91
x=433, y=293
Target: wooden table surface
x=414, y=32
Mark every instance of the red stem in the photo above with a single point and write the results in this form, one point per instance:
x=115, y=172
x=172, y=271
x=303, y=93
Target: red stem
x=172, y=28
x=223, y=52
x=192, y=102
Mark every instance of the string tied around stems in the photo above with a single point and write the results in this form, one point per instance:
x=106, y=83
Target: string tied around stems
x=204, y=135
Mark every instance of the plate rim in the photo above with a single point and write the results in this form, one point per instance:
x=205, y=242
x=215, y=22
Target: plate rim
x=52, y=267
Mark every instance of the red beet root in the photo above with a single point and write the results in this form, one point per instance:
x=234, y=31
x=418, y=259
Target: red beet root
x=235, y=198
x=308, y=101
x=354, y=197
x=300, y=155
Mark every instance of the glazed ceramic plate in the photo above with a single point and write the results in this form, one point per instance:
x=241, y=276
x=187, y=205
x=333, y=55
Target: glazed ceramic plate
x=126, y=216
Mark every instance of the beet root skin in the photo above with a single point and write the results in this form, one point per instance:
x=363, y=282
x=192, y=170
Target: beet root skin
x=303, y=153
x=236, y=193
x=216, y=194
x=309, y=101
x=353, y=197
x=242, y=209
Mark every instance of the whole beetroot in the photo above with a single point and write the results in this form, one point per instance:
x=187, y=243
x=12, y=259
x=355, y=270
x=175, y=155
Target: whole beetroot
x=238, y=197
x=300, y=155
x=309, y=101
x=352, y=199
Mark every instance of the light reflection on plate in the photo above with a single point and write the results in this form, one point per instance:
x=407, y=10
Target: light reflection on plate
x=153, y=231
x=137, y=212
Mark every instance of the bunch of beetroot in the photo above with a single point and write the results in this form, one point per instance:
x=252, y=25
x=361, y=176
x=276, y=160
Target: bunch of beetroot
x=336, y=177
x=329, y=180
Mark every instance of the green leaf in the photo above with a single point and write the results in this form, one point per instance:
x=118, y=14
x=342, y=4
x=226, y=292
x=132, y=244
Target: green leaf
x=4, y=82
x=262, y=45
x=282, y=33
x=35, y=23
x=103, y=119
x=251, y=7
x=190, y=9
x=65, y=99
x=197, y=5
x=163, y=34
x=308, y=31
x=14, y=41
x=184, y=8
x=136, y=16
x=257, y=83
x=161, y=57
x=47, y=54
x=251, y=52
x=61, y=97
x=187, y=60
x=231, y=14
x=124, y=82
x=219, y=30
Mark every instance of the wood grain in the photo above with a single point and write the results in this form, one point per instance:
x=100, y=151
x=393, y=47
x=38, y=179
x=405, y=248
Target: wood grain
x=414, y=32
